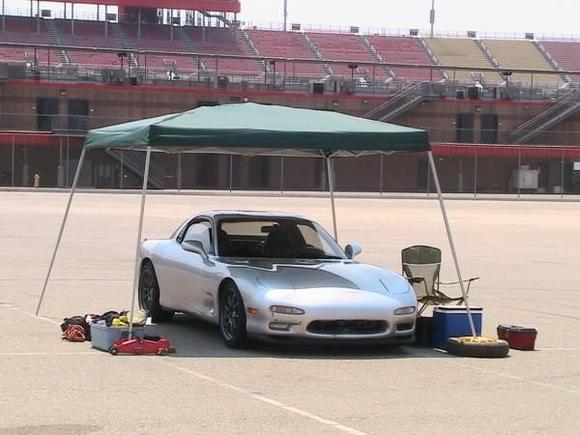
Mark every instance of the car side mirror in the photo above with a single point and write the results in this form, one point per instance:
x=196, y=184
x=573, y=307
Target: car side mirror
x=194, y=246
x=352, y=250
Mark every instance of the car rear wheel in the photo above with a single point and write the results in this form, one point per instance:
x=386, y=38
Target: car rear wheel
x=149, y=294
x=232, y=324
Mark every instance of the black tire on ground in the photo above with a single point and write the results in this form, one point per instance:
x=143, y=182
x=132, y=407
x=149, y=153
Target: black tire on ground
x=149, y=294
x=232, y=322
x=483, y=349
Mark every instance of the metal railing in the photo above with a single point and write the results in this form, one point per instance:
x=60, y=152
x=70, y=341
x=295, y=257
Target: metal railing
x=467, y=169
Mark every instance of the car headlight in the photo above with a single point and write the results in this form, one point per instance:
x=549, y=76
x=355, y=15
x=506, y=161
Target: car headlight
x=404, y=310
x=282, y=309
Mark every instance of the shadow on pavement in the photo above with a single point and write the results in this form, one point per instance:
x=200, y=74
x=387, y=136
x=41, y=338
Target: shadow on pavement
x=193, y=338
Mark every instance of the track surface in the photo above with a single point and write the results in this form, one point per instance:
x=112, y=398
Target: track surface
x=528, y=256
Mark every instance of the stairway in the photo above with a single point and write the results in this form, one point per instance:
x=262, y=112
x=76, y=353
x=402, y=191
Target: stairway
x=402, y=101
x=317, y=53
x=254, y=50
x=487, y=53
x=57, y=40
x=564, y=107
x=376, y=55
x=120, y=34
x=553, y=62
x=134, y=162
x=433, y=57
x=190, y=46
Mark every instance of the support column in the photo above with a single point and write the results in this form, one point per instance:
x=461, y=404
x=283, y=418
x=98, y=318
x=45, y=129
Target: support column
x=475, y=174
x=330, y=175
x=62, y=225
x=139, y=24
x=139, y=235
x=562, y=180
x=179, y=172
x=281, y=175
x=122, y=174
x=12, y=174
x=72, y=18
x=381, y=173
x=451, y=242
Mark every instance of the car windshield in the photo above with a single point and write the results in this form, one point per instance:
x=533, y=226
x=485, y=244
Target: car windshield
x=275, y=238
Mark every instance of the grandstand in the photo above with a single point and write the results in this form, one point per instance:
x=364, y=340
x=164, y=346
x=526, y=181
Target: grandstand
x=462, y=52
x=522, y=55
x=60, y=76
x=291, y=45
x=565, y=54
x=227, y=49
x=405, y=50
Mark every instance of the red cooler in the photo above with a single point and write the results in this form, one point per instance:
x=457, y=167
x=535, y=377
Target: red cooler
x=518, y=337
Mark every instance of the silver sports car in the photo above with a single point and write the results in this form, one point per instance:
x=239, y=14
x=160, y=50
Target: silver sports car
x=272, y=274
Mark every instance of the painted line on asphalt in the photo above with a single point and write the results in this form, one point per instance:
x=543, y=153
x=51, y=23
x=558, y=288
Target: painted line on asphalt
x=515, y=378
x=272, y=402
x=44, y=319
x=46, y=353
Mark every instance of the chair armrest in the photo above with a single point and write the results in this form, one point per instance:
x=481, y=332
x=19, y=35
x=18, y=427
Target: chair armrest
x=470, y=280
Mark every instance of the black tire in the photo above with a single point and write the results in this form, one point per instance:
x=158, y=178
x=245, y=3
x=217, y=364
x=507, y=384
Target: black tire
x=483, y=349
x=232, y=322
x=149, y=294
x=113, y=350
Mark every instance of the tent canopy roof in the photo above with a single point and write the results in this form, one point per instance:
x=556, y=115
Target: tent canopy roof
x=257, y=129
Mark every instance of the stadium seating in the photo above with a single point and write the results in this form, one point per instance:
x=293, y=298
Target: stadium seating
x=522, y=55
x=289, y=45
x=567, y=54
x=461, y=52
x=88, y=34
x=405, y=50
x=222, y=41
x=24, y=30
x=348, y=48
x=158, y=37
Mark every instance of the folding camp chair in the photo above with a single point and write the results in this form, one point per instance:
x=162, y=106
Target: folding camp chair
x=421, y=267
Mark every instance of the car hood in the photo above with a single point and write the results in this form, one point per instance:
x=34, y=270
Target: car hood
x=313, y=274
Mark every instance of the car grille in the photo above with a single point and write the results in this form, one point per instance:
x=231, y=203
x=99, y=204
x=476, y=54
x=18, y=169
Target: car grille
x=347, y=327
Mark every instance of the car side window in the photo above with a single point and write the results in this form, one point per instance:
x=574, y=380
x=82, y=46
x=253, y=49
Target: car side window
x=200, y=232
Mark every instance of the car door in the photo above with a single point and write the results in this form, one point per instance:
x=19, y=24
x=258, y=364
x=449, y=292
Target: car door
x=188, y=275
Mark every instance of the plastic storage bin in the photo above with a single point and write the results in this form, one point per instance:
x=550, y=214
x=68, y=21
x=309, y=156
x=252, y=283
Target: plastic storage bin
x=452, y=321
x=518, y=337
x=103, y=337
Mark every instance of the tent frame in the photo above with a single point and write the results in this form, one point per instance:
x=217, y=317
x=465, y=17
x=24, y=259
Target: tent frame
x=331, y=186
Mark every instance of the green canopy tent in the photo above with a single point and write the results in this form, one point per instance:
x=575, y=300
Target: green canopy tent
x=256, y=130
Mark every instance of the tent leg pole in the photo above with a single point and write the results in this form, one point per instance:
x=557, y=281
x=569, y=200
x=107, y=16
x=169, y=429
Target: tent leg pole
x=330, y=174
x=139, y=234
x=451, y=243
x=62, y=225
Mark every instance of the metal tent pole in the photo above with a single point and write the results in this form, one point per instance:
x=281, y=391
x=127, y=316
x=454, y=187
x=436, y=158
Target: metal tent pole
x=62, y=225
x=451, y=243
x=139, y=234
x=330, y=175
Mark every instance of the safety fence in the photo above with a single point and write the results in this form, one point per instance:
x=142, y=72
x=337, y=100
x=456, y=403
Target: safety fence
x=50, y=160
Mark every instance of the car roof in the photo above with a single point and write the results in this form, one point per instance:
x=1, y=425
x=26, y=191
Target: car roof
x=221, y=214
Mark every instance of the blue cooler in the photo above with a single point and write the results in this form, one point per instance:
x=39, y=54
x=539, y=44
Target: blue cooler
x=452, y=321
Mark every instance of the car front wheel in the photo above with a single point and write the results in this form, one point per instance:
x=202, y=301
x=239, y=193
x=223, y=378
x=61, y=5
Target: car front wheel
x=232, y=324
x=149, y=294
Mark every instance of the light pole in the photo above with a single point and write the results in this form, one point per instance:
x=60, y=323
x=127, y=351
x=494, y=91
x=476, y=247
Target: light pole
x=285, y=15
x=432, y=16
x=352, y=67
x=273, y=65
